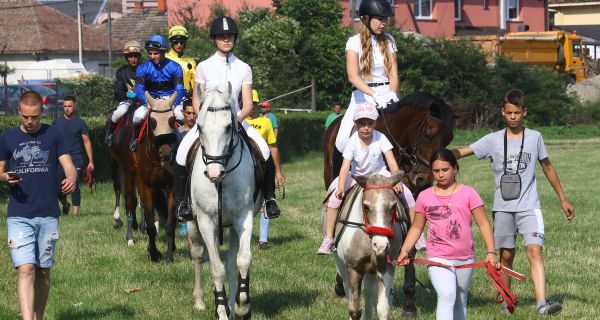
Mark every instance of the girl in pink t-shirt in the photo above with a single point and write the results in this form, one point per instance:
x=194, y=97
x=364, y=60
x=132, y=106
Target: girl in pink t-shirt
x=448, y=208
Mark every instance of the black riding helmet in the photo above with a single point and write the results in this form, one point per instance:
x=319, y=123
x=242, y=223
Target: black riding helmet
x=373, y=8
x=223, y=25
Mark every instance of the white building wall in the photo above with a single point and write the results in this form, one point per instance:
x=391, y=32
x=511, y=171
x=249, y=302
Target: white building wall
x=92, y=62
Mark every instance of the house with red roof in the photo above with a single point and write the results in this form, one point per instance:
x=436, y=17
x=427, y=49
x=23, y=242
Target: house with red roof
x=31, y=32
x=433, y=18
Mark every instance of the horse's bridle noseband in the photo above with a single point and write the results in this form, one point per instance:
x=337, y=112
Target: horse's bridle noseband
x=374, y=230
x=222, y=159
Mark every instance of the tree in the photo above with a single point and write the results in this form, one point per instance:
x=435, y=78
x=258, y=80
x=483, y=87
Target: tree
x=5, y=70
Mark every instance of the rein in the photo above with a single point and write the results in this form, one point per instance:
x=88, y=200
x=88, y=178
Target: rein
x=223, y=160
x=413, y=156
x=495, y=277
x=145, y=133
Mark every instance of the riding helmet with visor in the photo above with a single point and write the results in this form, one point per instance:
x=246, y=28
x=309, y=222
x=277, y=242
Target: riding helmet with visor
x=223, y=25
x=178, y=32
x=132, y=47
x=372, y=8
x=156, y=43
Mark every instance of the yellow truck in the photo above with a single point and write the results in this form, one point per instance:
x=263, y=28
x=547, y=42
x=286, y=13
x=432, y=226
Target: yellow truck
x=559, y=50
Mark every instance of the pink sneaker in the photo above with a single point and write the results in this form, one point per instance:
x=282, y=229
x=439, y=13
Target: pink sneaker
x=326, y=246
x=421, y=243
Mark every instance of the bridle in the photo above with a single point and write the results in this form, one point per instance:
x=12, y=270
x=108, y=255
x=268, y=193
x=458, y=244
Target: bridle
x=412, y=153
x=374, y=230
x=223, y=159
x=148, y=138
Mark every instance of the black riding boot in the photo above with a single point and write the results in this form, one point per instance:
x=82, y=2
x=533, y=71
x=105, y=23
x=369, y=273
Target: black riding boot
x=180, y=193
x=108, y=139
x=134, y=139
x=271, y=205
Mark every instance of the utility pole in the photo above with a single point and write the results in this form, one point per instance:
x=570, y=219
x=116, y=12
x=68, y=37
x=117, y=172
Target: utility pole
x=79, y=30
x=4, y=76
x=109, y=42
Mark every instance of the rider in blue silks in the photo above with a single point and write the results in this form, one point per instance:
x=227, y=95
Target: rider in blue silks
x=159, y=76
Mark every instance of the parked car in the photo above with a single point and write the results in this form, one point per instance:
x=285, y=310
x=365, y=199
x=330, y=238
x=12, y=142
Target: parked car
x=49, y=99
x=14, y=92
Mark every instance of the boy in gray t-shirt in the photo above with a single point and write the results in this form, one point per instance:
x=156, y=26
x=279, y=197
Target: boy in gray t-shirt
x=523, y=214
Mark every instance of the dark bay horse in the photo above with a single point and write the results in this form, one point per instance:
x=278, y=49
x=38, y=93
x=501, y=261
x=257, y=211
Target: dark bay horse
x=154, y=179
x=416, y=126
x=122, y=173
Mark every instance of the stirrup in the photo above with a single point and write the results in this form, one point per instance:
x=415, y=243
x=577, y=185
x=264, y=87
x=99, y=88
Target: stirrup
x=272, y=210
x=183, y=211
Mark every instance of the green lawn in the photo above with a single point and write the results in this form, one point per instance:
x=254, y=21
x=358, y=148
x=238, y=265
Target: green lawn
x=98, y=277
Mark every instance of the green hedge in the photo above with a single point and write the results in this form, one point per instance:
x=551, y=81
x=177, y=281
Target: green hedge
x=299, y=133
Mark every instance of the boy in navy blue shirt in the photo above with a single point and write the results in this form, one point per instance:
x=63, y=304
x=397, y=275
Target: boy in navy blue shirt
x=75, y=131
x=29, y=155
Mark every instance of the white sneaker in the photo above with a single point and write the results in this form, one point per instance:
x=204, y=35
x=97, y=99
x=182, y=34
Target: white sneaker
x=326, y=246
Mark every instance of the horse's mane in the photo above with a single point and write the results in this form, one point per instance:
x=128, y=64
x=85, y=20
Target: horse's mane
x=427, y=102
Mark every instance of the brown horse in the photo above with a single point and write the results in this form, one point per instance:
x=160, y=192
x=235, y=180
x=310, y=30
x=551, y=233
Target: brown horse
x=154, y=179
x=122, y=173
x=417, y=125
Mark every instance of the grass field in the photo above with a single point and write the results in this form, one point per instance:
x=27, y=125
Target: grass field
x=98, y=277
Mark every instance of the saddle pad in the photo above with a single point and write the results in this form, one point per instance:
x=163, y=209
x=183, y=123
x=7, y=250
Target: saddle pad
x=191, y=156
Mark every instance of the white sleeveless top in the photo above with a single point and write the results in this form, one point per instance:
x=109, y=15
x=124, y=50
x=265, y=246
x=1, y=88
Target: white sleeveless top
x=378, y=69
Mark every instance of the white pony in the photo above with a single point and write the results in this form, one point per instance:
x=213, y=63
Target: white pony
x=222, y=182
x=372, y=237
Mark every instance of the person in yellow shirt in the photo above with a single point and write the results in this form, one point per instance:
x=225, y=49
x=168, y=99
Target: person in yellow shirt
x=265, y=128
x=178, y=37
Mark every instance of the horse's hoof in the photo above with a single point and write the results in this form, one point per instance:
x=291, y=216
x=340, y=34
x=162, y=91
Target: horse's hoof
x=118, y=224
x=199, y=305
x=248, y=316
x=170, y=260
x=130, y=243
x=156, y=257
x=134, y=225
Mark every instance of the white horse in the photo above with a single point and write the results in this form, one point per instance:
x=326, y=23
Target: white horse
x=222, y=182
x=371, y=239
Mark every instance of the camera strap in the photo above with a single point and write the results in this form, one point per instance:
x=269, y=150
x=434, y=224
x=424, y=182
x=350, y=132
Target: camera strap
x=520, y=151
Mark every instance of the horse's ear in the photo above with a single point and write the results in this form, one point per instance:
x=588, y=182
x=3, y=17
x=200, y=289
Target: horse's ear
x=149, y=98
x=362, y=181
x=397, y=177
x=172, y=98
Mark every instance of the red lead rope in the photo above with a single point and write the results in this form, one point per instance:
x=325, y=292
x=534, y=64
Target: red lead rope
x=495, y=277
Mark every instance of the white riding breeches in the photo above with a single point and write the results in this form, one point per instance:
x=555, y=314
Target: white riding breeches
x=178, y=111
x=192, y=135
x=140, y=114
x=358, y=97
x=120, y=111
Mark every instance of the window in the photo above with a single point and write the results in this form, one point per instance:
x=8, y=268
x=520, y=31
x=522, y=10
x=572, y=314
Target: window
x=576, y=49
x=423, y=8
x=457, y=10
x=512, y=9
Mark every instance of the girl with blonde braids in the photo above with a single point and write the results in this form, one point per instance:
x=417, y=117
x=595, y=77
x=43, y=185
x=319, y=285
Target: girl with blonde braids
x=370, y=64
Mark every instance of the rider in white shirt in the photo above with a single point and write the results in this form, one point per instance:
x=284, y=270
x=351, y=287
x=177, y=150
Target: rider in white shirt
x=218, y=71
x=370, y=64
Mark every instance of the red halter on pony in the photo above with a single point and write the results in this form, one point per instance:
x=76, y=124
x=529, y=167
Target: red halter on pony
x=373, y=230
